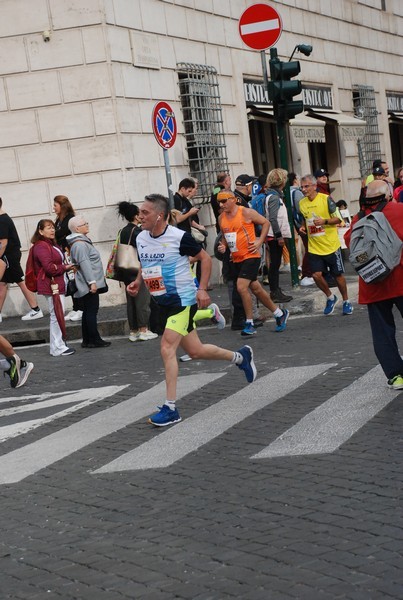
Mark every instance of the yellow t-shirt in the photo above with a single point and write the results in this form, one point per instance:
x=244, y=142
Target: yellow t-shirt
x=322, y=239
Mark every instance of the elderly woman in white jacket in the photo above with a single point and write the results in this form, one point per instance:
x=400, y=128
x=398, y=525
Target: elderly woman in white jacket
x=90, y=280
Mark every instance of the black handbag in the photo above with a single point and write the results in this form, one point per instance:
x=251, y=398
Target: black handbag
x=71, y=287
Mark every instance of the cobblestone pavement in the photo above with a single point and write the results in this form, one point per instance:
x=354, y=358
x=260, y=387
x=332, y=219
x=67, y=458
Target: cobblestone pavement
x=216, y=524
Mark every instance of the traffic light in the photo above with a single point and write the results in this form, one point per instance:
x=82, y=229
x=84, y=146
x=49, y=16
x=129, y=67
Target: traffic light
x=282, y=90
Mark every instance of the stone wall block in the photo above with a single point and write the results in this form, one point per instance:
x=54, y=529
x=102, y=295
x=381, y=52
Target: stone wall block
x=46, y=160
x=101, y=154
x=136, y=82
x=104, y=117
x=63, y=50
x=83, y=191
x=177, y=24
x=3, y=100
x=33, y=89
x=75, y=13
x=119, y=44
x=85, y=83
x=18, y=128
x=129, y=115
x=146, y=151
x=164, y=85
x=13, y=47
x=153, y=17
x=94, y=44
x=26, y=198
x=114, y=185
x=23, y=16
x=69, y=121
x=127, y=13
x=8, y=166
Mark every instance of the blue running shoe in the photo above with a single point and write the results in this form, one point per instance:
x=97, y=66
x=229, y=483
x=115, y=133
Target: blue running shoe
x=164, y=417
x=347, y=308
x=248, y=330
x=330, y=304
x=282, y=321
x=247, y=365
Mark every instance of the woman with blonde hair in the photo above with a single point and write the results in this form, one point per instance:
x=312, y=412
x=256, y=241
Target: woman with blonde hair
x=279, y=232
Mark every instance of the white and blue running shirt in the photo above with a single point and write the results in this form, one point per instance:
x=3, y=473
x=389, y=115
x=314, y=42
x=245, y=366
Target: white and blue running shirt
x=165, y=266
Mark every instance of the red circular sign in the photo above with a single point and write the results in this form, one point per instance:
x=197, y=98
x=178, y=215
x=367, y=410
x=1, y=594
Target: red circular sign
x=164, y=124
x=260, y=26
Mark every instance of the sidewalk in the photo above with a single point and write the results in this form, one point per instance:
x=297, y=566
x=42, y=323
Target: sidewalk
x=112, y=320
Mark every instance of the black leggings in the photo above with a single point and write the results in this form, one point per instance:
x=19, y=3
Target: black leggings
x=276, y=252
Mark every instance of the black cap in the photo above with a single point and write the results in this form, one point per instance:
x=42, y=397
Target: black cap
x=244, y=180
x=321, y=173
x=378, y=171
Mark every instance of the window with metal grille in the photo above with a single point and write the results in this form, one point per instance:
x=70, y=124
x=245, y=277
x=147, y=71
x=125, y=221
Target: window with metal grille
x=369, y=148
x=203, y=123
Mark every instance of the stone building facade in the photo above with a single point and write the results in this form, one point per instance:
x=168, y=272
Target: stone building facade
x=79, y=80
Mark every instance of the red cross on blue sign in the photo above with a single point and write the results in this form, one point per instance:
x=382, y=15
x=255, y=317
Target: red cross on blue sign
x=164, y=125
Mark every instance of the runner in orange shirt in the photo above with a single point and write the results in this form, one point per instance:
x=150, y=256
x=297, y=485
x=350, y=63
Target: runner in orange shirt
x=237, y=224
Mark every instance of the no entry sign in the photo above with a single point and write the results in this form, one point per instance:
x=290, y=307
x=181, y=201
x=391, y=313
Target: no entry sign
x=164, y=124
x=260, y=26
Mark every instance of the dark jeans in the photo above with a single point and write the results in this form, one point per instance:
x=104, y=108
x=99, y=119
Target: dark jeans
x=90, y=307
x=384, y=335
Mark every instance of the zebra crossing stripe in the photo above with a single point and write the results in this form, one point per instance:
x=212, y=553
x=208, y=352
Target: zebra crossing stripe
x=50, y=403
x=19, y=464
x=196, y=431
x=332, y=423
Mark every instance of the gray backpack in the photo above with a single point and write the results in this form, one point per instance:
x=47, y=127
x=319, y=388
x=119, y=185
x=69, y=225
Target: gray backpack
x=375, y=248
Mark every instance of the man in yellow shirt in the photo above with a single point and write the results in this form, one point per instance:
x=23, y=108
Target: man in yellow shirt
x=321, y=217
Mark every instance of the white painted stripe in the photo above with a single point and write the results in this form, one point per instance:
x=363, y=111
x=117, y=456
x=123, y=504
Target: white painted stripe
x=187, y=436
x=260, y=26
x=21, y=463
x=332, y=423
x=80, y=398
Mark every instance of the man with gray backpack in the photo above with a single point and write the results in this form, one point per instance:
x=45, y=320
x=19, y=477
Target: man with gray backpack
x=381, y=283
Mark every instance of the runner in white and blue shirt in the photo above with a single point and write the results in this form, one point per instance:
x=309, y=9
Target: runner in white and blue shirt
x=164, y=256
x=165, y=266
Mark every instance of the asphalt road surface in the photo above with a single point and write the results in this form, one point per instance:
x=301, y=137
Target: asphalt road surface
x=286, y=488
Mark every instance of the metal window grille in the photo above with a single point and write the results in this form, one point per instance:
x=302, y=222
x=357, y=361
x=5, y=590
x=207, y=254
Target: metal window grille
x=203, y=123
x=369, y=148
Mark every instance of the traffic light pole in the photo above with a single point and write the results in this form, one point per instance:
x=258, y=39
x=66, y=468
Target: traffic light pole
x=281, y=127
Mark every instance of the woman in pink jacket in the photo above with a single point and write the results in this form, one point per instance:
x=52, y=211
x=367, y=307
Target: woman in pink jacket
x=50, y=269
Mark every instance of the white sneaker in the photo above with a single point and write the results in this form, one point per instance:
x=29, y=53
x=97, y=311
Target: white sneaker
x=69, y=315
x=77, y=315
x=185, y=358
x=144, y=336
x=33, y=314
x=305, y=281
x=285, y=268
x=134, y=337
x=217, y=318
x=1, y=318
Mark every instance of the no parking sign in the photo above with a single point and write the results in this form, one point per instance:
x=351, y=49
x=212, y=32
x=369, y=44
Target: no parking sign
x=164, y=125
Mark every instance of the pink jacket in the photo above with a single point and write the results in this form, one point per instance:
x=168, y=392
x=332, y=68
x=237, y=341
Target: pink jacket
x=48, y=260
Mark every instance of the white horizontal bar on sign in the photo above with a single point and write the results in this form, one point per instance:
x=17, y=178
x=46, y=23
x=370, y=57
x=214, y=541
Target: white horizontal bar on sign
x=260, y=26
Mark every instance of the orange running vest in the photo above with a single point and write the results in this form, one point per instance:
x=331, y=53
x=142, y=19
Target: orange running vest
x=238, y=234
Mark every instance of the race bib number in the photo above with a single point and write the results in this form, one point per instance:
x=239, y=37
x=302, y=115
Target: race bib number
x=154, y=281
x=314, y=230
x=230, y=238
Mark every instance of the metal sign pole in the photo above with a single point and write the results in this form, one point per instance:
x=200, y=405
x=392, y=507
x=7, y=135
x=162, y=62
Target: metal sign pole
x=169, y=179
